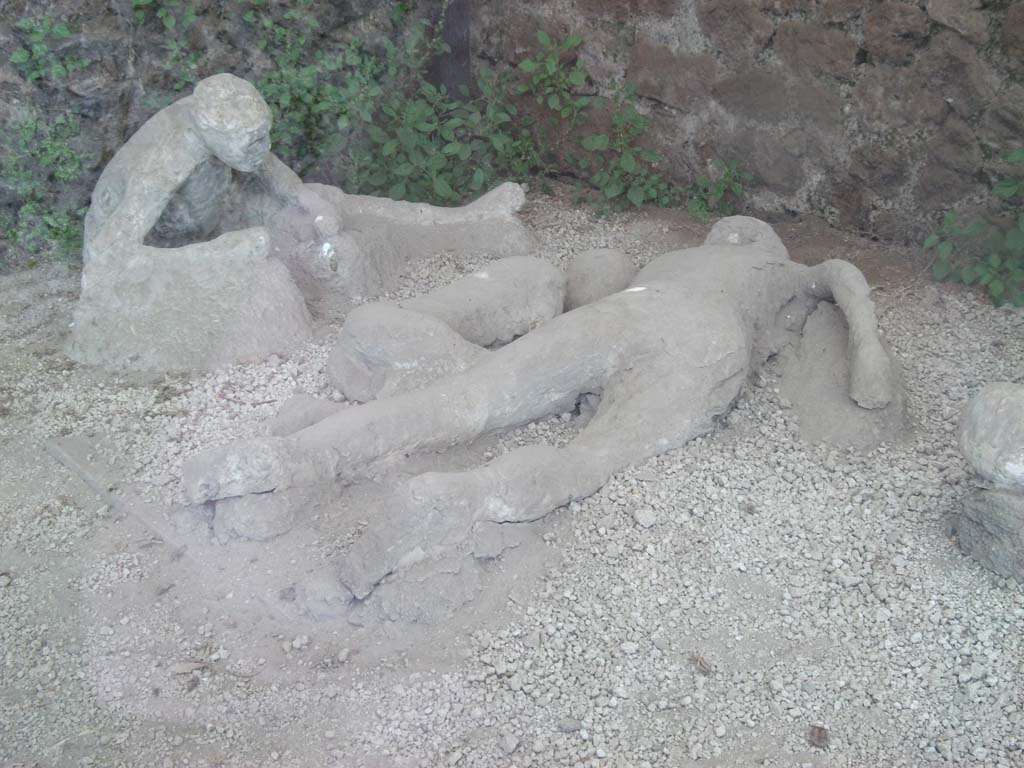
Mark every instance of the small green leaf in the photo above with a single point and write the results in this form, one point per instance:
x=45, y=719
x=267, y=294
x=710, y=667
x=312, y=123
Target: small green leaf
x=636, y=195
x=1006, y=189
x=1015, y=240
x=596, y=142
x=613, y=189
x=543, y=38
x=996, y=288
x=528, y=65
x=931, y=242
x=994, y=261
x=941, y=269
x=397, y=191
x=478, y=179
x=58, y=70
x=945, y=250
x=442, y=188
x=554, y=102
x=573, y=41
x=627, y=162
x=20, y=56
x=577, y=77
x=1016, y=156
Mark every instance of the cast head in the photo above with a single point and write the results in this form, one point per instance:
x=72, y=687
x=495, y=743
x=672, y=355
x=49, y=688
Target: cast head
x=233, y=120
x=744, y=230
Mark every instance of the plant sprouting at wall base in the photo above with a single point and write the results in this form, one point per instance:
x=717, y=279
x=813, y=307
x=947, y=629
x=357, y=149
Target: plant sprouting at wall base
x=985, y=253
x=617, y=166
x=37, y=159
x=721, y=192
x=36, y=59
x=554, y=77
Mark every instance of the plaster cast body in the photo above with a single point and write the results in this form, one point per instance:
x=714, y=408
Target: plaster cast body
x=666, y=356
x=202, y=248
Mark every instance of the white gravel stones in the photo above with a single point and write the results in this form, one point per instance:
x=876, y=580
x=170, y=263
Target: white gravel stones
x=645, y=517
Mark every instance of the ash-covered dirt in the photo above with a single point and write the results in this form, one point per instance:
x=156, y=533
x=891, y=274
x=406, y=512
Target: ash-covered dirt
x=748, y=600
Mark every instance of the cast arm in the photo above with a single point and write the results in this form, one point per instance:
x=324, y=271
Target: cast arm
x=285, y=185
x=118, y=243
x=871, y=376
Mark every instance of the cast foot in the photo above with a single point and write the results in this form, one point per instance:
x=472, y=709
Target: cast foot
x=257, y=465
x=871, y=377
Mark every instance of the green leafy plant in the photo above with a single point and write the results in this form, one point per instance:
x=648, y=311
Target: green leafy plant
x=373, y=115
x=982, y=252
x=305, y=88
x=38, y=159
x=173, y=15
x=181, y=62
x=721, y=192
x=37, y=60
x=435, y=148
x=619, y=168
x=552, y=80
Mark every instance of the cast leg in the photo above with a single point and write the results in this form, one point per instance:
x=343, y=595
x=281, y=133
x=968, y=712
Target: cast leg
x=438, y=510
x=871, y=378
x=541, y=373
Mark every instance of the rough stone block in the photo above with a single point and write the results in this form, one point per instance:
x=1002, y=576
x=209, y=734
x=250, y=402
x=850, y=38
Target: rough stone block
x=963, y=17
x=990, y=528
x=992, y=434
x=894, y=30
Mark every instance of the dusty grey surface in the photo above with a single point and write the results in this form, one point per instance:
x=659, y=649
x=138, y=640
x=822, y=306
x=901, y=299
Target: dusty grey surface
x=705, y=607
x=597, y=273
x=815, y=371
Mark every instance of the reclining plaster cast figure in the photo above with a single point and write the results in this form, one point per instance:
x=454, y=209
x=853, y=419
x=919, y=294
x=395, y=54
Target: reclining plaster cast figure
x=198, y=236
x=668, y=356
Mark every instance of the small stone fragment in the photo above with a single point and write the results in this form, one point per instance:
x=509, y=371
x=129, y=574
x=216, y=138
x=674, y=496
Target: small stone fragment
x=818, y=736
x=645, y=517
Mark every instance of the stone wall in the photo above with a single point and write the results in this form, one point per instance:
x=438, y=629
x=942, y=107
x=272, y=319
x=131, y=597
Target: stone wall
x=877, y=114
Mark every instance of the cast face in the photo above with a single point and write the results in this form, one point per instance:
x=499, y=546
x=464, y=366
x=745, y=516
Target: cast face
x=245, y=152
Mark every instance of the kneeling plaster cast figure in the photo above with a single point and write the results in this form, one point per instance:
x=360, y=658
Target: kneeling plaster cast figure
x=666, y=357
x=202, y=248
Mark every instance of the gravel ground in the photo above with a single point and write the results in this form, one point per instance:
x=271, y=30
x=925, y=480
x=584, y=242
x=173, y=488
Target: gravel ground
x=747, y=600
